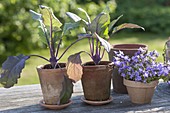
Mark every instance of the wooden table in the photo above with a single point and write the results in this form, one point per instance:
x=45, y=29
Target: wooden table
x=25, y=99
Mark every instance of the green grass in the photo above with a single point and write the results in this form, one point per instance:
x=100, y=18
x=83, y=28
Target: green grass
x=154, y=42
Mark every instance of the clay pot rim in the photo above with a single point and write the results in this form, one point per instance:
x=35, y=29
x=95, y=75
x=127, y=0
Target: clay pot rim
x=128, y=46
x=100, y=65
x=131, y=83
x=40, y=67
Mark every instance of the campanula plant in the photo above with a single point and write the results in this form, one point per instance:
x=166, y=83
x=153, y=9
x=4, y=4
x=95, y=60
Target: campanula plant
x=142, y=67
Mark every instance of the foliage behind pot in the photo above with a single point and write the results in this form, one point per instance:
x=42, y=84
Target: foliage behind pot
x=19, y=30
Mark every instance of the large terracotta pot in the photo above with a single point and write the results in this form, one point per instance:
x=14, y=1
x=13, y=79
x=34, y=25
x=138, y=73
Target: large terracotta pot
x=140, y=93
x=96, y=81
x=130, y=50
x=51, y=83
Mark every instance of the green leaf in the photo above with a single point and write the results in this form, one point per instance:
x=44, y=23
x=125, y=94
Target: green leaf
x=67, y=90
x=87, y=16
x=74, y=68
x=48, y=17
x=73, y=16
x=11, y=70
x=42, y=34
x=114, y=22
x=100, y=23
x=126, y=25
x=36, y=16
x=104, y=43
x=69, y=26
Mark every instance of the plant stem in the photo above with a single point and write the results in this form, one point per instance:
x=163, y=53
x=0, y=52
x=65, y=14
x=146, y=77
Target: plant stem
x=97, y=42
x=40, y=57
x=69, y=47
x=99, y=48
x=92, y=45
x=51, y=36
x=58, y=46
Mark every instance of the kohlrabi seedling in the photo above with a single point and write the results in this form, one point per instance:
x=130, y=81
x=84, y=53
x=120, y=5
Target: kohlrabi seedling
x=98, y=32
x=51, y=32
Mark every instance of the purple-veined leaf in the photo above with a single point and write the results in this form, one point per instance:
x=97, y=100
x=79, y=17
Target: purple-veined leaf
x=11, y=70
x=48, y=17
x=88, y=18
x=43, y=34
x=100, y=23
x=69, y=26
x=126, y=25
x=114, y=22
x=104, y=43
x=66, y=91
x=74, y=68
x=36, y=16
x=76, y=18
x=73, y=16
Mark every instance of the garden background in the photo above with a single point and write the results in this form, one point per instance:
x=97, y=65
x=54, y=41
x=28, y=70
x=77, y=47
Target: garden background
x=19, y=32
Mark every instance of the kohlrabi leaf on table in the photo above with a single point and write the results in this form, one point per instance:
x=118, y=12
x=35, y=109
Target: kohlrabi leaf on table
x=49, y=18
x=67, y=90
x=104, y=43
x=69, y=26
x=126, y=25
x=11, y=70
x=74, y=68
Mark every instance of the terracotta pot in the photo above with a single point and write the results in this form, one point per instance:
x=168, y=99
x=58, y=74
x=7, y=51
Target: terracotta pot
x=130, y=50
x=140, y=93
x=96, y=81
x=51, y=83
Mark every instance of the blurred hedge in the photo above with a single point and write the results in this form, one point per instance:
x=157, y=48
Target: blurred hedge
x=18, y=31
x=153, y=15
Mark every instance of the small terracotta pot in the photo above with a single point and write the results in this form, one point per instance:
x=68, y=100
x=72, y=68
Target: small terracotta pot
x=96, y=81
x=51, y=83
x=130, y=50
x=140, y=93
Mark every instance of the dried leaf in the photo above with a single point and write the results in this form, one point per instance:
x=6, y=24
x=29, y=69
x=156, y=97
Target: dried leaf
x=126, y=25
x=74, y=68
x=114, y=22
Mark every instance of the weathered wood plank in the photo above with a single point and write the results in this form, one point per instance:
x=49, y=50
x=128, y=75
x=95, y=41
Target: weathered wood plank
x=21, y=99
